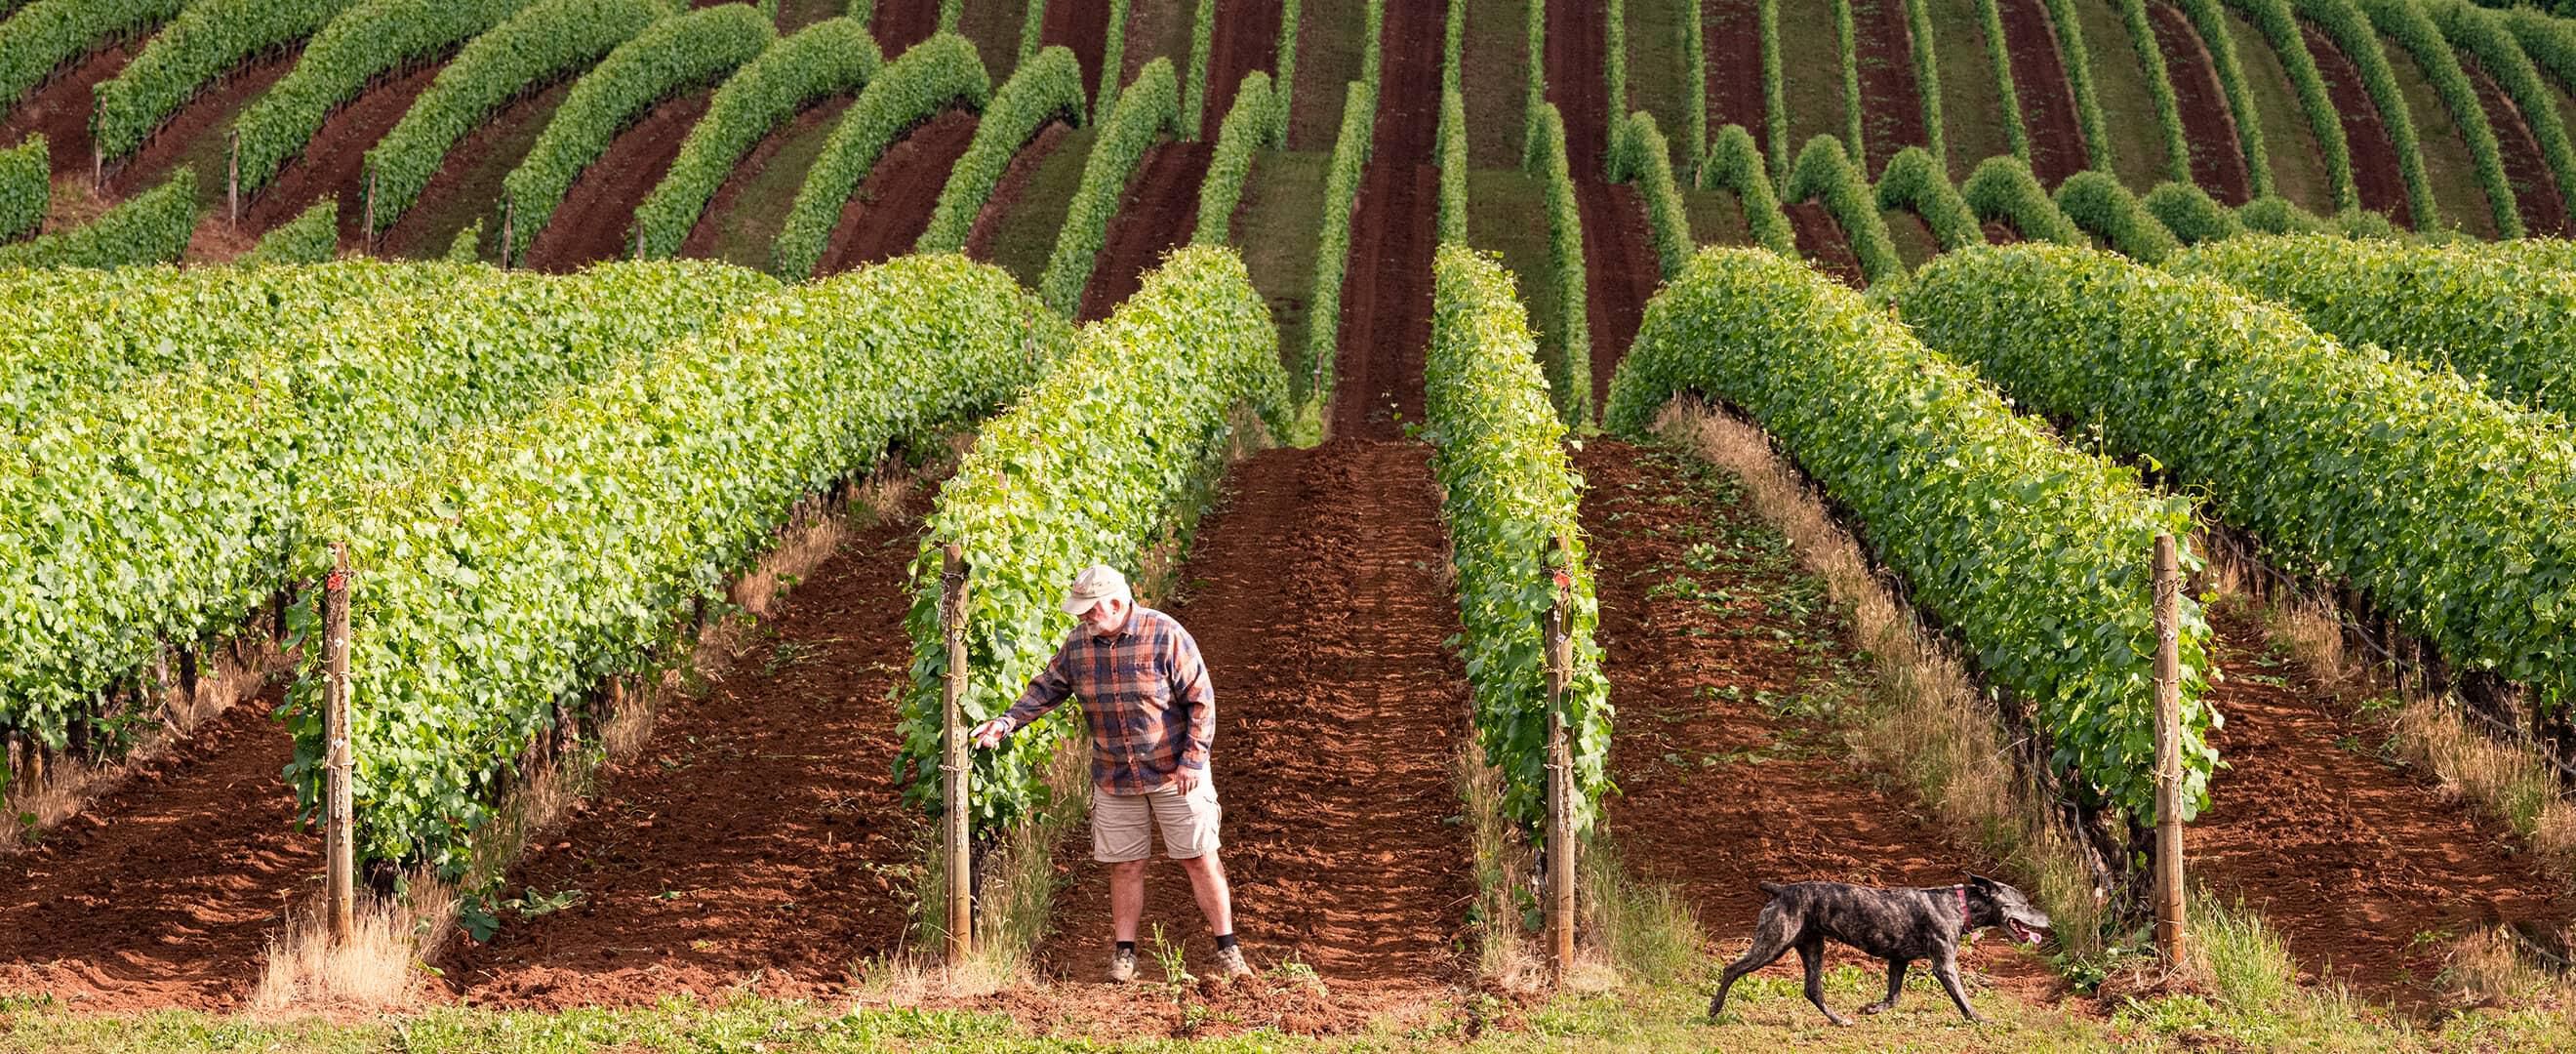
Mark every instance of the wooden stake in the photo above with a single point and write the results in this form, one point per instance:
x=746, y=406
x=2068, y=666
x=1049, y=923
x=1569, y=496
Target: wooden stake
x=2168, y=613
x=367, y=237
x=509, y=224
x=232, y=178
x=337, y=843
x=961, y=891
x=1560, y=767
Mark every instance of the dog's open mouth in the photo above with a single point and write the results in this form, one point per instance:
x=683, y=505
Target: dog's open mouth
x=2021, y=933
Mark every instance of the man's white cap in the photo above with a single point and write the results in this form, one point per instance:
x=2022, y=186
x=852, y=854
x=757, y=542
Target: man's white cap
x=1096, y=583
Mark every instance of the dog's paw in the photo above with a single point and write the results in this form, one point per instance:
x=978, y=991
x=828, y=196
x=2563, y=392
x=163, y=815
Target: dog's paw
x=1874, y=1007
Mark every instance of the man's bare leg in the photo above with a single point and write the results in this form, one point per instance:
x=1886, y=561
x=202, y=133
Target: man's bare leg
x=1127, y=898
x=1216, y=899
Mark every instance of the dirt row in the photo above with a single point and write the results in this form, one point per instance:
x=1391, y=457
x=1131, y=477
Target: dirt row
x=1891, y=103
x=2217, y=161
x=2375, y=173
x=2047, y=97
x=1159, y=211
x=893, y=205
x=1386, y=294
x=1732, y=30
x=2535, y=187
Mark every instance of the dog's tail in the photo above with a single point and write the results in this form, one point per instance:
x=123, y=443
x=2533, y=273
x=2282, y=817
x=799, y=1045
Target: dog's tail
x=1769, y=889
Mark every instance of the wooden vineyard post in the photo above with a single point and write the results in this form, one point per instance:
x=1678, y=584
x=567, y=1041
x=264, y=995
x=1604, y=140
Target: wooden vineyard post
x=337, y=847
x=97, y=153
x=509, y=223
x=232, y=176
x=961, y=892
x=1560, y=766
x=367, y=236
x=2168, y=613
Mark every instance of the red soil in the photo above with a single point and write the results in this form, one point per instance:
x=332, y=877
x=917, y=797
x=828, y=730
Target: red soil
x=1160, y=211
x=1619, y=261
x=164, y=893
x=1732, y=30
x=60, y=108
x=2349, y=858
x=2535, y=187
x=1082, y=25
x=900, y=24
x=596, y=219
x=2047, y=99
x=1246, y=39
x=1014, y=183
x=1731, y=766
x=1575, y=83
x=1386, y=294
x=894, y=203
x=334, y=162
x=209, y=114
x=471, y=175
x=2375, y=174
x=759, y=839
x=1821, y=241
x=709, y=230
x=2217, y=160
x=1315, y=597
x=1891, y=106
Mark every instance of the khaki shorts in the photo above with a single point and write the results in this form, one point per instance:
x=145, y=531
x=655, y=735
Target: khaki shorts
x=1122, y=824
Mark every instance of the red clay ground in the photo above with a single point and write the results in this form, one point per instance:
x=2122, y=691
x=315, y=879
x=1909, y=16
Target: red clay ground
x=1732, y=30
x=60, y=108
x=2375, y=175
x=900, y=24
x=1576, y=85
x=335, y=161
x=1246, y=39
x=1315, y=596
x=1891, y=106
x=1160, y=210
x=165, y=892
x=1013, y=184
x=2535, y=187
x=2047, y=100
x=1082, y=25
x=1730, y=669
x=1821, y=241
x=1386, y=295
x=210, y=113
x=1619, y=261
x=597, y=217
x=706, y=234
x=2217, y=161
x=2365, y=869
x=893, y=205
x=469, y=178
x=759, y=839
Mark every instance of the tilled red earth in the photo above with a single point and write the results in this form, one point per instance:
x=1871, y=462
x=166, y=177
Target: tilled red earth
x=1619, y=262
x=2375, y=174
x=1314, y=595
x=471, y=175
x=165, y=892
x=707, y=235
x=597, y=216
x=1732, y=30
x=1246, y=39
x=893, y=205
x=2217, y=161
x=335, y=161
x=60, y=107
x=759, y=840
x=1082, y=25
x=1730, y=668
x=1160, y=211
x=2535, y=187
x=900, y=24
x=209, y=113
x=1386, y=294
x=1891, y=106
x=2364, y=868
x=2047, y=99
x=1575, y=39
x=1821, y=241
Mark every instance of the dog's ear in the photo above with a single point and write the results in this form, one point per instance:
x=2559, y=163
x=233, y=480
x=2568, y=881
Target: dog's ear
x=1982, y=882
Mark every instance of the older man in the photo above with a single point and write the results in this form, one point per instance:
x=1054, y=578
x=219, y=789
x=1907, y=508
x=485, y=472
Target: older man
x=1145, y=692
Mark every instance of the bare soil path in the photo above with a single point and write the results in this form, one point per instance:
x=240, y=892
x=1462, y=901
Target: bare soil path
x=1082, y=25
x=1246, y=39
x=1821, y=241
x=1386, y=294
x=900, y=24
x=335, y=161
x=186, y=133
x=1012, y=186
x=2375, y=175
x=759, y=839
x=2364, y=868
x=2217, y=161
x=467, y=187
x=165, y=892
x=1891, y=104
x=2535, y=187
x=1160, y=210
x=1732, y=30
x=751, y=204
x=59, y=108
x=893, y=205
x=2047, y=98
x=1731, y=668
x=597, y=216
x=1620, y=267
x=1576, y=35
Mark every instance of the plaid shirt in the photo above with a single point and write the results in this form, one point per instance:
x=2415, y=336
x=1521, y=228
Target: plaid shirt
x=1145, y=691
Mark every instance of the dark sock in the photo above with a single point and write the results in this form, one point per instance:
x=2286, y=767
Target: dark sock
x=1224, y=941
x=1126, y=946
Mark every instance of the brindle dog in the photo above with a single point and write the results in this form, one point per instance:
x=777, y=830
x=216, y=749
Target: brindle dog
x=1898, y=925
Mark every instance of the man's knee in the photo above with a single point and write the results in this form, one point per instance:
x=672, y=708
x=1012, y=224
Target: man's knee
x=1127, y=870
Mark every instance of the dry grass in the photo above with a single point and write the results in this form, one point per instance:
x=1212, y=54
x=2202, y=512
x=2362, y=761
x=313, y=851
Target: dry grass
x=59, y=789
x=74, y=203
x=1506, y=880
x=377, y=969
x=1928, y=723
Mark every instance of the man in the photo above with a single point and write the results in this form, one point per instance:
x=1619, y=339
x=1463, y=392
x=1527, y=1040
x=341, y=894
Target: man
x=1145, y=692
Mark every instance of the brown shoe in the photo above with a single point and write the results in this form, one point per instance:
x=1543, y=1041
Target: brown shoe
x=1122, y=966
x=1230, y=964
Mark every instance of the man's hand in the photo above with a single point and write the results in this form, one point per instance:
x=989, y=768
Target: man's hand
x=1186, y=778
x=989, y=734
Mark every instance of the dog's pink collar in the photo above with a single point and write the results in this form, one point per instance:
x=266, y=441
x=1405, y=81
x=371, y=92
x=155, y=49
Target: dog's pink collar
x=1963, y=901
